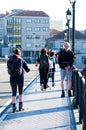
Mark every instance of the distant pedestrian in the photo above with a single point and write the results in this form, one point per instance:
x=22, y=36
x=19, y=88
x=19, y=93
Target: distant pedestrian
x=52, y=66
x=65, y=61
x=43, y=61
x=16, y=66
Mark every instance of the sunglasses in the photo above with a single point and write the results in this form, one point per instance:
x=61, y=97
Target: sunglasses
x=66, y=46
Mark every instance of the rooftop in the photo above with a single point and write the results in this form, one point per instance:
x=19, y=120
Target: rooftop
x=31, y=13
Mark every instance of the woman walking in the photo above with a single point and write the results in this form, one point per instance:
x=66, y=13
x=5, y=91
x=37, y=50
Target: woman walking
x=43, y=61
x=16, y=66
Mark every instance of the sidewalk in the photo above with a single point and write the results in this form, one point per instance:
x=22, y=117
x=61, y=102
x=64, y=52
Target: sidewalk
x=44, y=110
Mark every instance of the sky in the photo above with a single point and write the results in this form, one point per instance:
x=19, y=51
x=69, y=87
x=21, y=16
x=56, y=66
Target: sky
x=56, y=9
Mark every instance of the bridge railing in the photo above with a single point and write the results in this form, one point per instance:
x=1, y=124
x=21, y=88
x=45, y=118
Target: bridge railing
x=79, y=91
x=3, y=60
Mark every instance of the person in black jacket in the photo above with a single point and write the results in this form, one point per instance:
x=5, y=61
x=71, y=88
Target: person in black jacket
x=65, y=61
x=43, y=61
x=18, y=81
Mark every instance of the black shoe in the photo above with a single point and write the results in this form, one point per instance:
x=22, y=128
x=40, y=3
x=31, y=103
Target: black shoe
x=20, y=106
x=69, y=93
x=47, y=86
x=14, y=108
x=63, y=94
x=53, y=84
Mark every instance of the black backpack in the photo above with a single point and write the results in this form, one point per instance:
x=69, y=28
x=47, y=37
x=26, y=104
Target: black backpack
x=44, y=63
x=14, y=67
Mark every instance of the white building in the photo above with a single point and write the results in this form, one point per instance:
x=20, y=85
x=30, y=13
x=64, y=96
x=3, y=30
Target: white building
x=3, y=34
x=28, y=29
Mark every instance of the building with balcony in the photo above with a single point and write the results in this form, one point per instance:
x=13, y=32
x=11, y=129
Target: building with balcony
x=28, y=30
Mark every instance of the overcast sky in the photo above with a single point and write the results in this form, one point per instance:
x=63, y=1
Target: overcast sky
x=56, y=9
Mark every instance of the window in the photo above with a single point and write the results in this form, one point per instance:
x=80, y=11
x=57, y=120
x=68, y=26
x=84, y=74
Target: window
x=45, y=21
x=29, y=37
x=37, y=20
x=83, y=58
x=45, y=29
x=37, y=28
x=29, y=20
x=29, y=29
x=83, y=45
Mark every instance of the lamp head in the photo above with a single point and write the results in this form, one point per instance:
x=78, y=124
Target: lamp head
x=72, y=1
x=68, y=14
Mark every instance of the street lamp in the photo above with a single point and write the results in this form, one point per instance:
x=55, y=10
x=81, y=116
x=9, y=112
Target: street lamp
x=68, y=17
x=73, y=24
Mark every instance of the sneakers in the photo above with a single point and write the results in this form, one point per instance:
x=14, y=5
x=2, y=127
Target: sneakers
x=63, y=94
x=42, y=86
x=69, y=93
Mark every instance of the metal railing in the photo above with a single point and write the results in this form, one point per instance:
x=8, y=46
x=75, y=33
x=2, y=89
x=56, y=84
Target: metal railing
x=3, y=60
x=79, y=91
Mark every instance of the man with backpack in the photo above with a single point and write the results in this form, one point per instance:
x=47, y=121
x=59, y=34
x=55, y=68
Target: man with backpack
x=16, y=66
x=43, y=61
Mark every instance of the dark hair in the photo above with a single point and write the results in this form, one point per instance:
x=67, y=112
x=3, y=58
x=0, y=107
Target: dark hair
x=52, y=53
x=44, y=51
x=17, y=51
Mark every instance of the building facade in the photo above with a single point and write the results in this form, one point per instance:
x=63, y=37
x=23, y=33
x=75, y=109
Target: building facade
x=28, y=30
x=3, y=32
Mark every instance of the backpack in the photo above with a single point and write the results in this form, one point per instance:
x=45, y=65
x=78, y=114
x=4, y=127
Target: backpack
x=44, y=63
x=14, y=67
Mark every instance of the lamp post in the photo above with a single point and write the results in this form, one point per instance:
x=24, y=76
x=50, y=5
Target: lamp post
x=73, y=24
x=1, y=46
x=67, y=31
x=68, y=17
x=65, y=35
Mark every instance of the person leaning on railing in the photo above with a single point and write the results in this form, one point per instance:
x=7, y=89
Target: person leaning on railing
x=65, y=61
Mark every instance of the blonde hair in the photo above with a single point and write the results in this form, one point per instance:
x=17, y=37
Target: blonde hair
x=67, y=44
x=17, y=51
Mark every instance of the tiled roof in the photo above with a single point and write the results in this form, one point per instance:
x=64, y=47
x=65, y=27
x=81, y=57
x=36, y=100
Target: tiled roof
x=54, y=31
x=78, y=35
x=31, y=13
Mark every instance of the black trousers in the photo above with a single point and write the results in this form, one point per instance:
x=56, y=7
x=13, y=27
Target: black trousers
x=43, y=76
x=17, y=83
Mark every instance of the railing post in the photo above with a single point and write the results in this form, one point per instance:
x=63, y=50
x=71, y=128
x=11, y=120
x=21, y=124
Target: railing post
x=84, y=98
x=74, y=83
